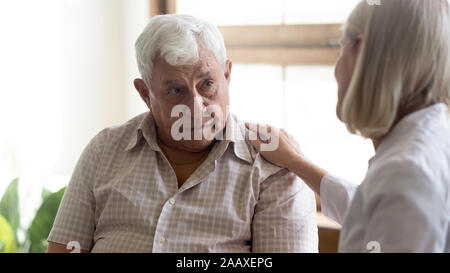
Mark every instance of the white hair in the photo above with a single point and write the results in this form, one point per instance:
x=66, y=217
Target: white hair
x=176, y=38
x=404, y=62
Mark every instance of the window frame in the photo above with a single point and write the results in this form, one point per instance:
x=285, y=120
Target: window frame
x=304, y=44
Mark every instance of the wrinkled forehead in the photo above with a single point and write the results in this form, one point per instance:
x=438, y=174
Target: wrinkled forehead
x=206, y=64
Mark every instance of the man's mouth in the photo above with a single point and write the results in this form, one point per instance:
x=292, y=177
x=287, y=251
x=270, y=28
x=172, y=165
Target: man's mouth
x=208, y=124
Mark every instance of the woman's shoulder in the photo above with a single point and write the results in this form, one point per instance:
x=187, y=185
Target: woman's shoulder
x=419, y=161
x=416, y=175
x=419, y=155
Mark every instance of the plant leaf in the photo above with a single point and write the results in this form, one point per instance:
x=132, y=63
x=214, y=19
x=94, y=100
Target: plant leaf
x=7, y=241
x=9, y=206
x=45, y=193
x=43, y=221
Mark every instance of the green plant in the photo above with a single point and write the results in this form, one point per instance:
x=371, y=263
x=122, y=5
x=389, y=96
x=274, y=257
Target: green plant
x=9, y=206
x=36, y=235
x=7, y=241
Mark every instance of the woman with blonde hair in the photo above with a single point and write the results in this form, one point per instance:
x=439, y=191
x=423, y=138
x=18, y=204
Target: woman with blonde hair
x=393, y=77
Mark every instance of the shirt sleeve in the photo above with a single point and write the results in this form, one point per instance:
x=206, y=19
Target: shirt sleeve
x=285, y=216
x=75, y=220
x=336, y=195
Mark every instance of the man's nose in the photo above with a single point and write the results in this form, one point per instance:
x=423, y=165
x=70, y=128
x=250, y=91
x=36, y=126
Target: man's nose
x=197, y=106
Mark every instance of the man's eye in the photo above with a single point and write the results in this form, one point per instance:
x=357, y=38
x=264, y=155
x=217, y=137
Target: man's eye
x=208, y=84
x=174, y=91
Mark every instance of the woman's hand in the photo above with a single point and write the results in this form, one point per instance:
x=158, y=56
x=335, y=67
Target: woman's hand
x=288, y=150
x=287, y=154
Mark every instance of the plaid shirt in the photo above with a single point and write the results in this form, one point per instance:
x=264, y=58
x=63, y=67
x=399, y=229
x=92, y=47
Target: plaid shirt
x=124, y=197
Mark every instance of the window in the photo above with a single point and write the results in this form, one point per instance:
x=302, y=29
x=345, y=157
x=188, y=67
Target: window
x=263, y=12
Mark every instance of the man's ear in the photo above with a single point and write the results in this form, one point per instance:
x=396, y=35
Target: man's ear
x=228, y=67
x=143, y=90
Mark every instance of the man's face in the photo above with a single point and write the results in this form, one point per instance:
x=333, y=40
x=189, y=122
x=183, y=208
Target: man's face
x=198, y=88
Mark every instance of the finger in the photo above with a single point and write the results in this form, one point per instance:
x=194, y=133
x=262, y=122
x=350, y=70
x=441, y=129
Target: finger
x=260, y=131
x=251, y=126
x=254, y=135
x=265, y=132
x=264, y=128
x=264, y=137
x=258, y=126
x=296, y=143
x=253, y=132
x=256, y=144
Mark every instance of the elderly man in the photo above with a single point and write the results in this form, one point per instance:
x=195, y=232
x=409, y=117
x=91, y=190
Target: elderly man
x=159, y=183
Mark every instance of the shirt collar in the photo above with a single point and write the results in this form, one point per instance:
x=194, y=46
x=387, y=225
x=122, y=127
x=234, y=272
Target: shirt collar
x=146, y=130
x=434, y=114
x=234, y=132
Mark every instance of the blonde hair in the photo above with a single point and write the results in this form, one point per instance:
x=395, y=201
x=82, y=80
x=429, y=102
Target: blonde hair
x=404, y=62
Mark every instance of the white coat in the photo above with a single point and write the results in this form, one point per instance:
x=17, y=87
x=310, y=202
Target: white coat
x=403, y=204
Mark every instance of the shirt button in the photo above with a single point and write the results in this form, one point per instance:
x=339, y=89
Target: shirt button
x=171, y=201
x=162, y=240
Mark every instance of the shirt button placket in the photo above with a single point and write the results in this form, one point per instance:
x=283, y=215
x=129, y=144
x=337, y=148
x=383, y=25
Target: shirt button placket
x=160, y=240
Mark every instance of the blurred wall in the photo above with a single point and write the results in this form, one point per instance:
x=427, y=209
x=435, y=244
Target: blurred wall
x=66, y=73
x=135, y=17
x=98, y=67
